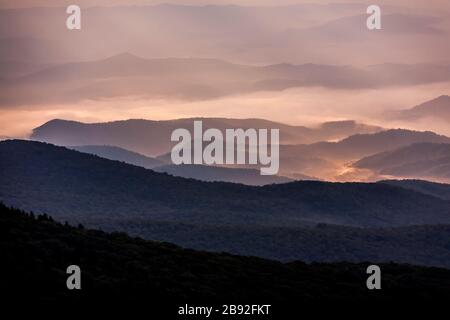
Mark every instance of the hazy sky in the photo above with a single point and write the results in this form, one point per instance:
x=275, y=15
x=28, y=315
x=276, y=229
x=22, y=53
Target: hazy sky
x=34, y=3
x=38, y=39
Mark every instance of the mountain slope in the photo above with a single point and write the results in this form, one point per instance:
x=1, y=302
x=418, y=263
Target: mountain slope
x=73, y=185
x=365, y=144
x=438, y=108
x=421, y=160
x=199, y=172
x=234, y=175
x=324, y=159
x=119, y=154
x=117, y=268
x=420, y=245
x=327, y=160
x=438, y=190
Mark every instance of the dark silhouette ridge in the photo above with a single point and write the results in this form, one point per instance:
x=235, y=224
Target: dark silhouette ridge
x=120, y=154
x=439, y=190
x=199, y=172
x=234, y=175
x=120, y=190
x=117, y=268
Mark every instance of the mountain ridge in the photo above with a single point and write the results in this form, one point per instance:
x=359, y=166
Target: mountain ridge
x=134, y=134
x=419, y=160
x=436, y=108
x=65, y=175
x=188, y=79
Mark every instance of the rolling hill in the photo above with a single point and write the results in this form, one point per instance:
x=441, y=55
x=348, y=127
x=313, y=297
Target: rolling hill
x=438, y=108
x=326, y=160
x=235, y=175
x=119, y=154
x=439, y=190
x=420, y=160
x=360, y=145
x=420, y=245
x=63, y=182
x=39, y=251
x=199, y=172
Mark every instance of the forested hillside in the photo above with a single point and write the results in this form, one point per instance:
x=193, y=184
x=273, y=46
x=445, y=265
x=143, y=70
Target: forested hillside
x=36, y=252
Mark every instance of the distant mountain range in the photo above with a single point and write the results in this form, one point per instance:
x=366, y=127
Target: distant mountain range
x=152, y=138
x=301, y=155
x=346, y=30
x=129, y=75
x=360, y=145
x=419, y=160
x=190, y=79
x=15, y=69
x=327, y=159
x=257, y=34
x=285, y=221
x=438, y=108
